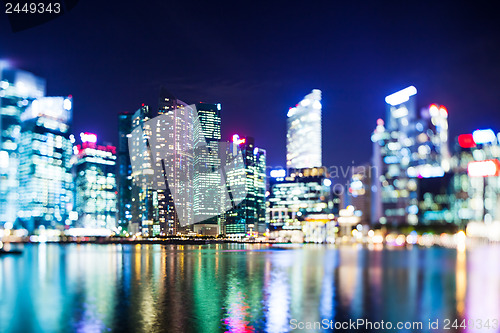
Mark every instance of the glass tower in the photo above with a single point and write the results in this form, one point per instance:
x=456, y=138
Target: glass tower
x=45, y=180
x=304, y=133
x=142, y=209
x=124, y=172
x=95, y=184
x=173, y=149
x=17, y=90
x=411, y=160
x=207, y=178
x=249, y=215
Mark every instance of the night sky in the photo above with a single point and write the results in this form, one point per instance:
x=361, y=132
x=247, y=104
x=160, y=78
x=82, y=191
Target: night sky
x=260, y=59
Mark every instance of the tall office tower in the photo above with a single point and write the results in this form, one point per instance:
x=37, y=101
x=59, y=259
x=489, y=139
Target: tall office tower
x=45, y=150
x=476, y=178
x=410, y=157
x=304, y=133
x=124, y=173
x=435, y=118
x=17, y=90
x=249, y=215
x=142, y=208
x=95, y=184
x=396, y=139
x=207, y=177
x=173, y=130
x=161, y=150
x=168, y=102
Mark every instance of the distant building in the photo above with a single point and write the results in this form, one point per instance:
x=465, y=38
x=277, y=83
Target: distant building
x=95, y=184
x=359, y=192
x=249, y=215
x=45, y=181
x=142, y=207
x=476, y=180
x=207, y=177
x=409, y=147
x=304, y=133
x=161, y=150
x=297, y=195
x=124, y=173
x=17, y=90
x=173, y=130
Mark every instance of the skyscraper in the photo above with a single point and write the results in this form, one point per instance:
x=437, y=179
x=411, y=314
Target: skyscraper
x=249, y=215
x=304, y=133
x=410, y=154
x=207, y=178
x=142, y=208
x=17, y=90
x=124, y=173
x=476, y=178
x=173, y=130
x=95, y=184
x=45, y=150
x=161, y=150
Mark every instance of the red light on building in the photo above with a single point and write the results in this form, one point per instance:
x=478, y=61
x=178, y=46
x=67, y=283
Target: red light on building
x=88, y=137
x=443, y=109
x=111, y=149
x=237, y=140
x=466, y=141
x=486, y=168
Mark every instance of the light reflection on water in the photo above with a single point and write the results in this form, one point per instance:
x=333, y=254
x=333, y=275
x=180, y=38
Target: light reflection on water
x=241, y=288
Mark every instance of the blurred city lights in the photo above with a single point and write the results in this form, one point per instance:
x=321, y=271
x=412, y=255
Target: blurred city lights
x=401, y=96
x=485, y=168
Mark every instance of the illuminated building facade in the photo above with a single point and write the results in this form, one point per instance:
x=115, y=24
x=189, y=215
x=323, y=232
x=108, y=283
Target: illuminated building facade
x=161, y=150
x=359, y=192
x=142, y=208
x=17, y=90
x=296, y=195
x=45, y=150
x=410, y=157
x=304, y=133
x=476, y=181
x=95, y=184
x=173, y=158
x=124, y=173
x=207, y=163
x=248, y=216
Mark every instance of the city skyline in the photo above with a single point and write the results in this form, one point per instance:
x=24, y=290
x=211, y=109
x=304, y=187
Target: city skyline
x=452, y=63
x=411, y=159
x=228, y=166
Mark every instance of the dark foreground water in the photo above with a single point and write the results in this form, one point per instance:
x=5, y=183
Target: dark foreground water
x=246, y=288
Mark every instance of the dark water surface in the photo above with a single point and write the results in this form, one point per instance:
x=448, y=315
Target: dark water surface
x=245, y=288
